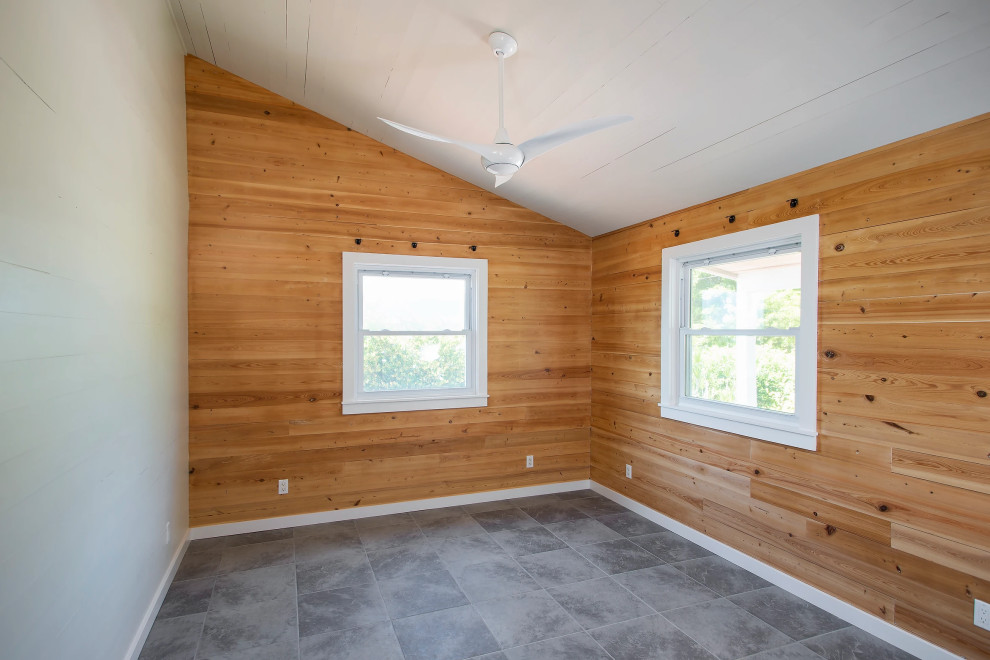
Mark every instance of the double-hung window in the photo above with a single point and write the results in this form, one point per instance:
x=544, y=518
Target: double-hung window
x=414, y=332
x=739, y=332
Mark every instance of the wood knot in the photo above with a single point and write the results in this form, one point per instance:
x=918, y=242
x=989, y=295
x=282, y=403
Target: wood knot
x=756, y=471
x=312, y=399
x=981, y=393
x=829, y=354
x=870, y=398
x=677, y=232
x=840, y=247
x=732, y=219
x=793, y=202
x=829, y=530
x=882, y=507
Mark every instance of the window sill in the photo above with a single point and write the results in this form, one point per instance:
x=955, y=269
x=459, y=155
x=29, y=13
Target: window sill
x=408, y=404
x=793, y=437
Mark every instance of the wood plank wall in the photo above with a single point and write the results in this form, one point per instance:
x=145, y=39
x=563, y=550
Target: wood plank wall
x=892, y=514
x=276, y=193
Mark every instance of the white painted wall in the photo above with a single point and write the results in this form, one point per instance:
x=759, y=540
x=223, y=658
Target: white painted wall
x=93, y=387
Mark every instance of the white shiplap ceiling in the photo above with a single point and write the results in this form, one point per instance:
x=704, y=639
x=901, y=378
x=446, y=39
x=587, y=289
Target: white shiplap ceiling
x=726, y=94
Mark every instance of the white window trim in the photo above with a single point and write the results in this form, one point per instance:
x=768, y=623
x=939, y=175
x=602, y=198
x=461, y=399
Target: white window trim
x=797, y=430
x=353, y=400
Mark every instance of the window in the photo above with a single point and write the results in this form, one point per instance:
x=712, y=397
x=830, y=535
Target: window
x=739, y=318
x=414, y=333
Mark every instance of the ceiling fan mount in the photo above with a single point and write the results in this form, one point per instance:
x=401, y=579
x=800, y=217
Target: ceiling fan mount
x=503, y=158
x=503, y=44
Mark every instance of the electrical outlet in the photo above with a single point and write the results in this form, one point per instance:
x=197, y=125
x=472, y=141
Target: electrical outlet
x=529, y=461
x=283, y=486
x=628, y=471
x=168, y=532
x=981, y=614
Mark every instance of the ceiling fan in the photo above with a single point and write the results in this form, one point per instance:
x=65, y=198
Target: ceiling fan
x=503, y=159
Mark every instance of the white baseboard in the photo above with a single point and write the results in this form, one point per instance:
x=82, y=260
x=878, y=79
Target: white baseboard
x=874, y=625
x=156, y=602
x=265, y=524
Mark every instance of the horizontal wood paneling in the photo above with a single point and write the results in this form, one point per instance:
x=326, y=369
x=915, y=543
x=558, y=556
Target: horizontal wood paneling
x=892, y=513
x=277, y=193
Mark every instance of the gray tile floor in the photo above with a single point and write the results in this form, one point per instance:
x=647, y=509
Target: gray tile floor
x=566, y=576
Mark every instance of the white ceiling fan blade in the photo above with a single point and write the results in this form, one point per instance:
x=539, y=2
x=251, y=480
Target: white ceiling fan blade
x=488, y=151
x=540, y=145
x=499, y=180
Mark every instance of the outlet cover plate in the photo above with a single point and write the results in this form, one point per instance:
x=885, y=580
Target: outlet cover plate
x=628, y=471
x=981, y=614
x=283, y=486
x=529, y=461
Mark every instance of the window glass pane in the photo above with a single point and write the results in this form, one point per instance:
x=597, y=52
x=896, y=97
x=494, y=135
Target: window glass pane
x=751, y=293
x=748, y=371
x=414, y=362
x=407, y=302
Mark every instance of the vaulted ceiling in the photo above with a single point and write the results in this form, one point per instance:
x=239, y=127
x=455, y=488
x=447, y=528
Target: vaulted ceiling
x=725, y=94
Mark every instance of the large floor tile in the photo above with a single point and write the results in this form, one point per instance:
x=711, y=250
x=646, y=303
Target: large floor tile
x=428, y=515
x=577, y=494
x=405, y=560
x=374, y=642
x=284, y=650
x=343, y=531
x=493, y=579
x=259, y=537
x=535, y=500
x=579, y=646
x=725, y=629
x=257, y=555
x=466, y=550
x=551, y=512
x=451, y=634
x=665, y=588
x=256, y=624
x=420, y=593
x=502, y=519
x=382, y=521
x=583, y=532
x=343, y=569
x=630, y=524
x=215, y=544
x=670, y=546
x=648, y=637
x=187, y=597
x=174, y=639
x=339, y=609
x=481, y=507
x=451, y=527
x=793, y=616
x=598, y=506
x=235, y=590
x=518, y=542
x=600, y=602
x=390, y=536
x=559, y=567
x=793, y=651
x=526, y=618
x=721, y=575
x=619, y=556
x=204, y=563
x=326, y=544
x=854, y=644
